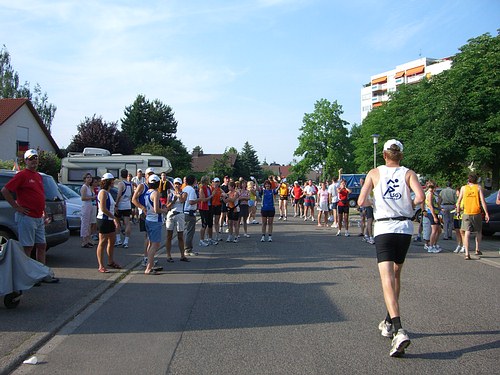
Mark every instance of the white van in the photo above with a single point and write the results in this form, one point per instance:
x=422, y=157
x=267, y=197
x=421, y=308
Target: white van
x=98, y=161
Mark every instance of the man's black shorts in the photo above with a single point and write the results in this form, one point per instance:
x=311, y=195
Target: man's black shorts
x=392, y=247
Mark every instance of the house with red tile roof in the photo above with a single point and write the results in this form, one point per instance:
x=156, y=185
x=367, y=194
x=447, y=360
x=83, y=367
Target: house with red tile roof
x=202, y=163
x=21, y=128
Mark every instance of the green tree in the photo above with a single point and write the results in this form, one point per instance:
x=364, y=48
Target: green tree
x=324, y=142
x=148, y=122
x=11, y=88
x=247, y=163
x=95, y=132
x=222, y=166
x=447, y=123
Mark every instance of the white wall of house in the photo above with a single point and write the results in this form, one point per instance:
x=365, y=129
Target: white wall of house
x=22, y=126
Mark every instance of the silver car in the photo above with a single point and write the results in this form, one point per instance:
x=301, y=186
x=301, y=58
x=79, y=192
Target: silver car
x=73, y=207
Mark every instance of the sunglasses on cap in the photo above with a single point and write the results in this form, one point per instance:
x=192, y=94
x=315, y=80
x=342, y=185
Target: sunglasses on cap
x=33, y=157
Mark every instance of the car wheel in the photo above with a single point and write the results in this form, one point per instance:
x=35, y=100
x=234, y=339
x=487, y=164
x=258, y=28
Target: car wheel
x=353, y=203
x=11, y=300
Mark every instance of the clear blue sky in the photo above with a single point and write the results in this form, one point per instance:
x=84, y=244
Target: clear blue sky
x=233, y=71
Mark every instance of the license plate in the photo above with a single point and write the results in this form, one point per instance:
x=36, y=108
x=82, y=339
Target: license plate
x=58, y=217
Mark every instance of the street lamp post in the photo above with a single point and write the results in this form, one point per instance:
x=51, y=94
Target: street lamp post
x=375, y=141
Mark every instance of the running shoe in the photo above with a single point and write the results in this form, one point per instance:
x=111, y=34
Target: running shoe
x=263, y=239
x=338, y=233
x=269, y=239
x=457, y=250
x=386, y=329
x=118, y=243
x=399, y=343
x=347, y=234
x=204, y=243
x=236, y=240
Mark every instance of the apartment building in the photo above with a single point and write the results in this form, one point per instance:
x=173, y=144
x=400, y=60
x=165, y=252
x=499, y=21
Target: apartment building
x=377, y=91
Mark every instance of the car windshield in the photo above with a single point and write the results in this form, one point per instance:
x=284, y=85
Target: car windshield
x=52, y=193
x=68, y=192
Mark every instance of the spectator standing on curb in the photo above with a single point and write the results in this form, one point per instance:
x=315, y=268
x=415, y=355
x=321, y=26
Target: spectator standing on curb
x=190, y=206
x=175, y=219
x=448, y=203
x=393, y=210
x=107, y=223
x=30, y=208
x=88, y=197
x=472, y=221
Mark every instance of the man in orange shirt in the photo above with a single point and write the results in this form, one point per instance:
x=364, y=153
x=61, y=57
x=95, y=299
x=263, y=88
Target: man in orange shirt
x=472, y=220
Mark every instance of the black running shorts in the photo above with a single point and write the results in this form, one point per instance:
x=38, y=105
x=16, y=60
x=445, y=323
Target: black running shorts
x=392, y=247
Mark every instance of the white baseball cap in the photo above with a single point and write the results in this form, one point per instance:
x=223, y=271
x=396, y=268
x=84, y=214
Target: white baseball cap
x=150, y=170
x=29, y=153
x=390, y=142
x=107, y=176
x=216, y=179
x=153, y=178
x=177, y=180
x=139, y=170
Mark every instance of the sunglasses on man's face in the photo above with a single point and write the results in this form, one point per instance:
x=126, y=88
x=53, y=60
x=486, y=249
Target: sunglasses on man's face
x=34, y=157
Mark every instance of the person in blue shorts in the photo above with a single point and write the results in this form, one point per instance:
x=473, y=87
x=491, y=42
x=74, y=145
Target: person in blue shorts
x=268, y=211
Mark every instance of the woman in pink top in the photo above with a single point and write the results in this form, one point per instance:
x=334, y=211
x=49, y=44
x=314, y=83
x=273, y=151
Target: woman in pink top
x=323, y=204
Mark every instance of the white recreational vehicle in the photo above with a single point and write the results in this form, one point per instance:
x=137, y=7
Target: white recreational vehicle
x=98, y=161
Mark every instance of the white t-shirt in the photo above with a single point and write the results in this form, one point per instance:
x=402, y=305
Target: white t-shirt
x=332, y=189
x=191, y=196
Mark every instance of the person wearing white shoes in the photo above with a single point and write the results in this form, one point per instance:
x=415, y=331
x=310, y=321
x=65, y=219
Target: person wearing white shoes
x=175, y=218
x=392, y=209
x=233, y=211
x=268, y=211
x=124, y=207
x=205, y=210
x=343, y=206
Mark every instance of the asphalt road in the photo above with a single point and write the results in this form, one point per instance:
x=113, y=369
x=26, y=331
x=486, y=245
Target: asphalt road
x=307, y=303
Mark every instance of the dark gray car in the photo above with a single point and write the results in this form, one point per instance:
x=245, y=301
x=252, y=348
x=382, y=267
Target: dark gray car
x=56, y=231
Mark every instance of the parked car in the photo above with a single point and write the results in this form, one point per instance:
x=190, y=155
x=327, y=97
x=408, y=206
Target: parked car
x=73, y=207
x=76, y=188
x=56, y=231
x=493, y=226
